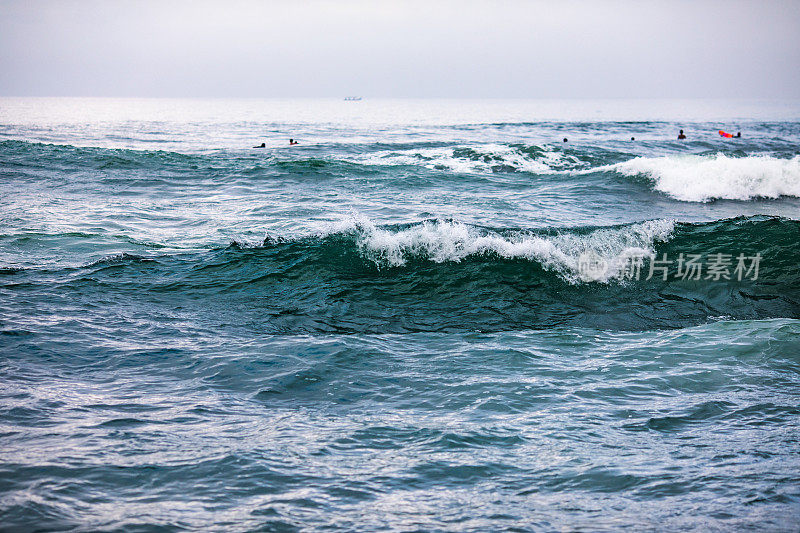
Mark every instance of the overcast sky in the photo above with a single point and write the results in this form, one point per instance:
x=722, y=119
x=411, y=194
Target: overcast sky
x=546, y=49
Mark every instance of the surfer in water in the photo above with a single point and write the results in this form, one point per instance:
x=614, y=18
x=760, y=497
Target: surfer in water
x=681, y=136
x=730, y=135
x=263, y=145
x=292, y=142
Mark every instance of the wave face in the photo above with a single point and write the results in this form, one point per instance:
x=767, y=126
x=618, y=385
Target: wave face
x=446, y=276
x=434, y=316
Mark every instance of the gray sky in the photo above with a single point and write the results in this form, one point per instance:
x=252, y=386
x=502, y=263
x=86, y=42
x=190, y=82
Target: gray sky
x=547, y=49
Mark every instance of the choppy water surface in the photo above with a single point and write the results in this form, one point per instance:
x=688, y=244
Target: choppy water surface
x=391, y=326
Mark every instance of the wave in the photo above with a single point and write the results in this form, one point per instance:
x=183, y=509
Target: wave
x=689, y=178
x=696, y=178
x=481, y=158
x=440, y=241
x=15, y=153
x=442, y=275
x=491, y=157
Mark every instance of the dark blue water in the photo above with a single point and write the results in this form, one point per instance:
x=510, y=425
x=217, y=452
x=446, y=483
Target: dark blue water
x=424, y=317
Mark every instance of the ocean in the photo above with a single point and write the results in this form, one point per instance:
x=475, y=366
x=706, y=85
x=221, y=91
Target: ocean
x=428, y=315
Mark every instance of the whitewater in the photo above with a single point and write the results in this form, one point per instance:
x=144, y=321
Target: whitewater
x=429, y=315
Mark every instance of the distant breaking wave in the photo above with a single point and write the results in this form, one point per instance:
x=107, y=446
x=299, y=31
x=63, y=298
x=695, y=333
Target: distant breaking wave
x=534, y=159
x=694, y=178
x=689, y=178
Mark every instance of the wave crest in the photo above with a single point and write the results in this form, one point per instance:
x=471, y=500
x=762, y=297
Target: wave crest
x=480, y=158
x=441, y=241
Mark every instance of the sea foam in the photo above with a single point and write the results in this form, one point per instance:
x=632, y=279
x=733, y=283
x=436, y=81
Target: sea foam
x=694, y=178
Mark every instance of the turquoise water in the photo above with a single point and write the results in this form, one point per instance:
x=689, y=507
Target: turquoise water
x=391, y=326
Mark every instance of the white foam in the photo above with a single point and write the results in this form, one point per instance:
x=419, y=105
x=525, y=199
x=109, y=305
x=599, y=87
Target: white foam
x=695, y=178
x=442, y=241
x=482, y=158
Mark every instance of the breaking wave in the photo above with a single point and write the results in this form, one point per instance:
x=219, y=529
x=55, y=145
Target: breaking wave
x=562, y=252
x=695, y=178
x=443, y=275
x=688, y=178
x=533, y=159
